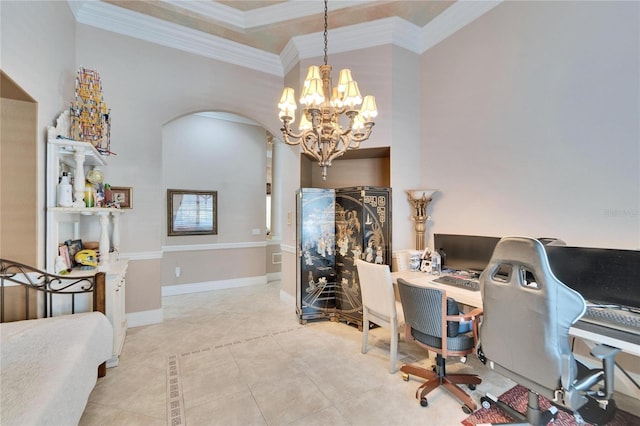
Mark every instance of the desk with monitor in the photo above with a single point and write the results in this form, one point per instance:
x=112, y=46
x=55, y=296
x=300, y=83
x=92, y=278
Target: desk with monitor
x=624, y=341
x=607, y=277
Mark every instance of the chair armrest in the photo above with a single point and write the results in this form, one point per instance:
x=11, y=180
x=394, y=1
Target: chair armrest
x=472, y=316
x=465, y=317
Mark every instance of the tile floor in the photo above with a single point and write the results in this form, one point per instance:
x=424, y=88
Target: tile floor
x=241, y=357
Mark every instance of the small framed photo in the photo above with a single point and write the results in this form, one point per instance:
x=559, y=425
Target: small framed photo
x=123, y=196
x=74, y=246
x=63, y=251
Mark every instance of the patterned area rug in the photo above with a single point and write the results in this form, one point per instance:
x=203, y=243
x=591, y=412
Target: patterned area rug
x=517, y=398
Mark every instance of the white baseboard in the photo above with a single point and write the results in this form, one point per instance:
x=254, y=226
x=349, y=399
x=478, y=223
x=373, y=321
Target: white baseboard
x=287, y=298
x=138, y=319
x=274, y=276
x=174, y=290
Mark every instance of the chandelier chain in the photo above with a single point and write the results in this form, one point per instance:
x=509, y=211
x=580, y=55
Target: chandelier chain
x=325, y=31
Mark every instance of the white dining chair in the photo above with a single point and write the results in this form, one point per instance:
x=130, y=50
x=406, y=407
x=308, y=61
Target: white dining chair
x=379, y=305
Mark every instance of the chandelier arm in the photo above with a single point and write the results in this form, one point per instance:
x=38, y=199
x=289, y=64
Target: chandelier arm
x=346, y=142
x=308, y=144
x=291, y=138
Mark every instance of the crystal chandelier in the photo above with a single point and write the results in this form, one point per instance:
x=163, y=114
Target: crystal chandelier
x=322, y=135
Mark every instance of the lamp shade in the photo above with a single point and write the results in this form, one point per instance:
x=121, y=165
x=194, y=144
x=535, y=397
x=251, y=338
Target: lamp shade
x=313, y=95
x=369, y=109
x=352, y=96
x=287, y=103
x=344, y=80
x=312, y=74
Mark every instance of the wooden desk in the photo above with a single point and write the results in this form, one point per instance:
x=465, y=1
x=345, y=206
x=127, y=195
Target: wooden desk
x=623, y=341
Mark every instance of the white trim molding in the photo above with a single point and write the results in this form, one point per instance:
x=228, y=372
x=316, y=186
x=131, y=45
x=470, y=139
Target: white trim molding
x=138, y=319
x=142, y=255
x=287, y=298
x=393, y=30
x=288, y=248
x=119, y=20
x=274, y=276
x=174, y=290
x=459, y=15
x=214, y=246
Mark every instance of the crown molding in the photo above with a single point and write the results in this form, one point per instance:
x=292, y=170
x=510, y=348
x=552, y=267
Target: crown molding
x=261, y=16
x=454, y=18
x=393, y=30
x=130, y=23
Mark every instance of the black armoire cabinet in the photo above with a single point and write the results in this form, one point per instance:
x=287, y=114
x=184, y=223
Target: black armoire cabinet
x=335, y=227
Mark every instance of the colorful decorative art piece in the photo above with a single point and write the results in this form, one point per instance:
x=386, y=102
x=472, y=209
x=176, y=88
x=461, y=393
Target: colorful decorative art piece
x=90, y=118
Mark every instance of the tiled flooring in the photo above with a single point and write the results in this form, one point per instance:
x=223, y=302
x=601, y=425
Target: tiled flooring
x=240, y=357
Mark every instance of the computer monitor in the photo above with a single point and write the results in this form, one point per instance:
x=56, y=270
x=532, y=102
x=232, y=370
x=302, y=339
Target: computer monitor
x=465, y=252
x=601, y=275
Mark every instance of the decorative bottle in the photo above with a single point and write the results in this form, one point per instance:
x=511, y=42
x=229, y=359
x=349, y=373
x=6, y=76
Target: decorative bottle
x=65, y=191
x=436, y=263
x=88, y=195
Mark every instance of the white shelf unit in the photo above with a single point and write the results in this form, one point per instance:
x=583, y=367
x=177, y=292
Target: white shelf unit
x=74, y=156
x=74, y=222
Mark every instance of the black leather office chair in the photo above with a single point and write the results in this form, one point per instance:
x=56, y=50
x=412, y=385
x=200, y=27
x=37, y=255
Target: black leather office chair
x=433, y=323
x=525, y=336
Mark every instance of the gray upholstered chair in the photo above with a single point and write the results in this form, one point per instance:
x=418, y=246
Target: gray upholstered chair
x=433, y=323
x=525, y=336
x=379, y=305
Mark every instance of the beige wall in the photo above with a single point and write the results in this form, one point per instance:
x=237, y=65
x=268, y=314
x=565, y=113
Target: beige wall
x=18, y=188
x=138, y=296
x=273, y=258
x=530, y=124
x=199, y=266
x=43, y=65
x=346, y=173
x=229, y=157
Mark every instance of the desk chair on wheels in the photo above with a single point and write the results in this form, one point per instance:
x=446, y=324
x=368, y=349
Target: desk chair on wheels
x=433, y=323
x=379, y=306
x=525, y=336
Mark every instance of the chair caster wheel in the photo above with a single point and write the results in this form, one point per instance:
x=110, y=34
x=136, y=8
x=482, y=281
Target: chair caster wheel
x=485, y=402
x=472, y=386
x=481, y=357
x=424, y=403
x=467, y=409
x=405, y=377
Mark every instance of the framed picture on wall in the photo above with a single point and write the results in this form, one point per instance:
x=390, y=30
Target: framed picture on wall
x=123, y=196
x=192, y=212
